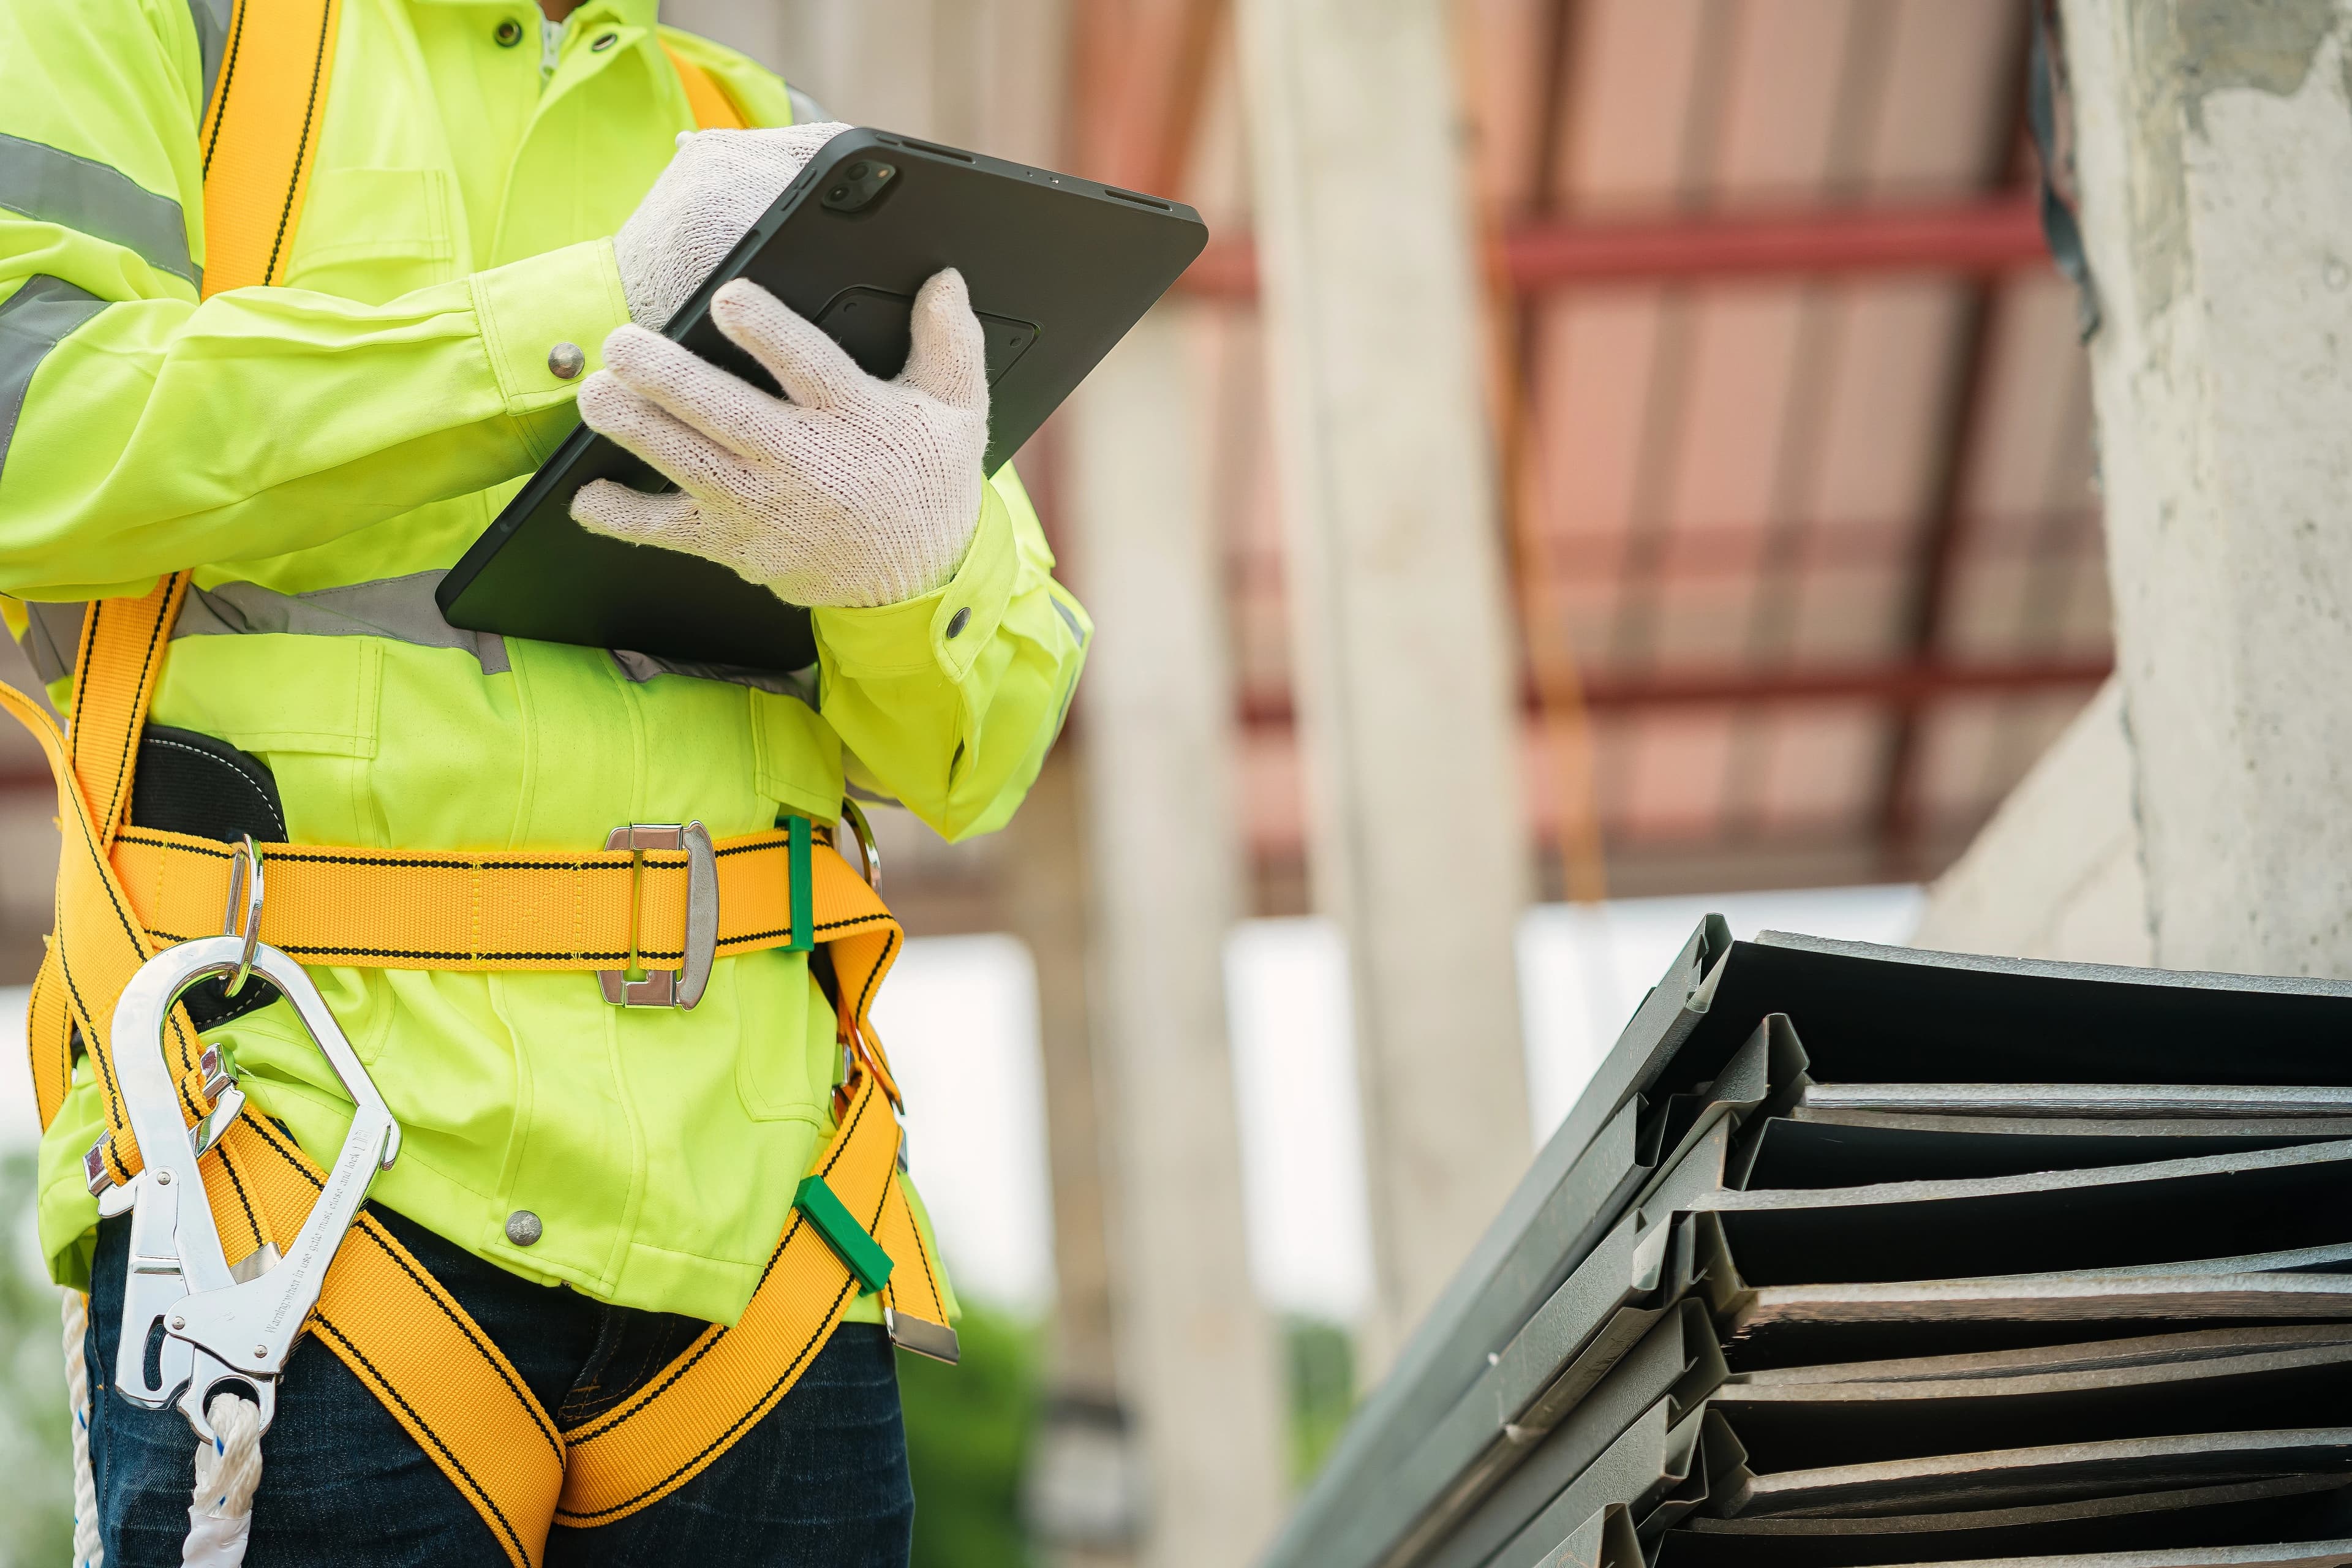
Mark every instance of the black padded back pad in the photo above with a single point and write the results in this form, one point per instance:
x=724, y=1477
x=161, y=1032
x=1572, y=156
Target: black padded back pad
x=191, y=783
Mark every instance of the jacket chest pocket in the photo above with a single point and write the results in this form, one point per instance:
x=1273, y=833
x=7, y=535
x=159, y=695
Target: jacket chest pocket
x=372, y=235
x=307, y=707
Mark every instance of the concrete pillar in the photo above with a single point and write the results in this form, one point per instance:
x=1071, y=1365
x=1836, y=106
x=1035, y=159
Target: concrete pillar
x=1085, y=1485
x=1409, y=716
x=2211, y=140
x=1197, y=1352
x=2056, y=873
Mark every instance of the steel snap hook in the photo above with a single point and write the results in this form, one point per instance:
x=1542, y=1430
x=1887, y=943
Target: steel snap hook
x=218, y=1326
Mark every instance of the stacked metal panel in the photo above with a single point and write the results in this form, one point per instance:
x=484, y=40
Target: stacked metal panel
x=1854, y=1257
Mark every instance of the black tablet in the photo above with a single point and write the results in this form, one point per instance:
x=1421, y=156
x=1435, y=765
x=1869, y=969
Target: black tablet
x=1059, y=269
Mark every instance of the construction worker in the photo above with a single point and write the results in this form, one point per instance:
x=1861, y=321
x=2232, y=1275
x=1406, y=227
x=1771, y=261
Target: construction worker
x=496, y=209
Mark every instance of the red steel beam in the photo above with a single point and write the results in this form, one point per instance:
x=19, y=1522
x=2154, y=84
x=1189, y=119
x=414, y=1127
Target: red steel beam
x=1905, y=683
x=1978, y=237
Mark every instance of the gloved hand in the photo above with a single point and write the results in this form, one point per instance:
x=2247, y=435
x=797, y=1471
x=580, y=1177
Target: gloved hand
x=858, y=492
x=713, y=191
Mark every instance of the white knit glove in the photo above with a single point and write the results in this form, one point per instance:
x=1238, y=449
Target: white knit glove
x=858, y=492
x=713, y=191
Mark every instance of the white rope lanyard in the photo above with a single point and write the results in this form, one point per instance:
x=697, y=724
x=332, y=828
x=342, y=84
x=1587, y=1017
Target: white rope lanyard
x=228, y=1469
x=86, y=1553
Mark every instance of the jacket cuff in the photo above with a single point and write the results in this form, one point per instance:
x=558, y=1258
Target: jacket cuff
x=945, y=629
x=526, y=308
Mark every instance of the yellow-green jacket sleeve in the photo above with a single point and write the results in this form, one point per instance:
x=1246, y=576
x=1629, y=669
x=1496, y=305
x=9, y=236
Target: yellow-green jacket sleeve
x=948, y=703
x=141, y=431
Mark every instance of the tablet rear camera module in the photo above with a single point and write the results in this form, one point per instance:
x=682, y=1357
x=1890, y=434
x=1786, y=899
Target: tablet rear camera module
x=858, y=186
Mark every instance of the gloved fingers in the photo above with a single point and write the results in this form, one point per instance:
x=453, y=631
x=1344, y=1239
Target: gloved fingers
x=687, y=458
x=619, y=512
x=950, y=355
x=727, y=408
x=769, y=155
x=815, y=371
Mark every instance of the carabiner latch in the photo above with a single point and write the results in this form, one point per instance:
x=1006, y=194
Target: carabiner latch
x=215, y=1329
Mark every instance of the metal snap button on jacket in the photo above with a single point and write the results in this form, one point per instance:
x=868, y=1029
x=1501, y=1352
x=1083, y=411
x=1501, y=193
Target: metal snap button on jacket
x=565, y=361
x=509, y=33
x=522, y=1227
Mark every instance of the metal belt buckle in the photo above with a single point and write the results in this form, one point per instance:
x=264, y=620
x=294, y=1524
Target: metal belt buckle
x=215, y=1329
x=682, y=986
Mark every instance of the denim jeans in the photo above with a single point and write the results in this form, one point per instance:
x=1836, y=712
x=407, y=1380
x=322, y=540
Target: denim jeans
x=821, y=1480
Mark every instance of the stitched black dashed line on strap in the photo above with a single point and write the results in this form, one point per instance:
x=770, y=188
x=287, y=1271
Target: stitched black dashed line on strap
x=638, y=1401
x=766, y=1403
x=389, y=1246
x=385, y=1390
x=124, y=764
x=302, y=145
x=874, y=977
x=227, y=80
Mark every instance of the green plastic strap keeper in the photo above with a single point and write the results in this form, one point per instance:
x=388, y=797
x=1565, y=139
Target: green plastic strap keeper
x=800, y=885
x=860, y=1253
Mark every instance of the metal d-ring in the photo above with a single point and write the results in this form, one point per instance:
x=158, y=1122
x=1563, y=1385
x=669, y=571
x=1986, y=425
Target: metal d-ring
x=244, y=887
x=869, y=857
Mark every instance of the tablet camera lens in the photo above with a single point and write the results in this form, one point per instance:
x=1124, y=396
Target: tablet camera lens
x=859, y=185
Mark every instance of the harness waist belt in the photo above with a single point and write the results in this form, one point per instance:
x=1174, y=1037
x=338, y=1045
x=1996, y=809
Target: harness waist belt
x=391, y=909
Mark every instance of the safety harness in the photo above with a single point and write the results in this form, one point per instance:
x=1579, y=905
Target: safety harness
x=650, y=913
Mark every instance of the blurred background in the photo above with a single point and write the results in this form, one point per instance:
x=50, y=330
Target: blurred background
x=1735, y=367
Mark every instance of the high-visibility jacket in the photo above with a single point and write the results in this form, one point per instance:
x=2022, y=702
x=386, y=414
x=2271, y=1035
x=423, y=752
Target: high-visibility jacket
x=320, y=450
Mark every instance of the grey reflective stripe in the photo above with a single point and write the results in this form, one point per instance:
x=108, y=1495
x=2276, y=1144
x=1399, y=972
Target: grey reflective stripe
x=640, y=667
x=52, y=638
x=806, y=111
x=399, y=608
x=211, y=17
x=1070, y=615
x=52, y=186
x=403, y=609
x=33, y=319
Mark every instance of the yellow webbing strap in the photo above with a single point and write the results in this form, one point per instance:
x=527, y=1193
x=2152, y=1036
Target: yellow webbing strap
x=650, y=1445
x=406, y=1339
x=98, y=945
x=260, y=133
x=713, y=109
x=398, y=909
